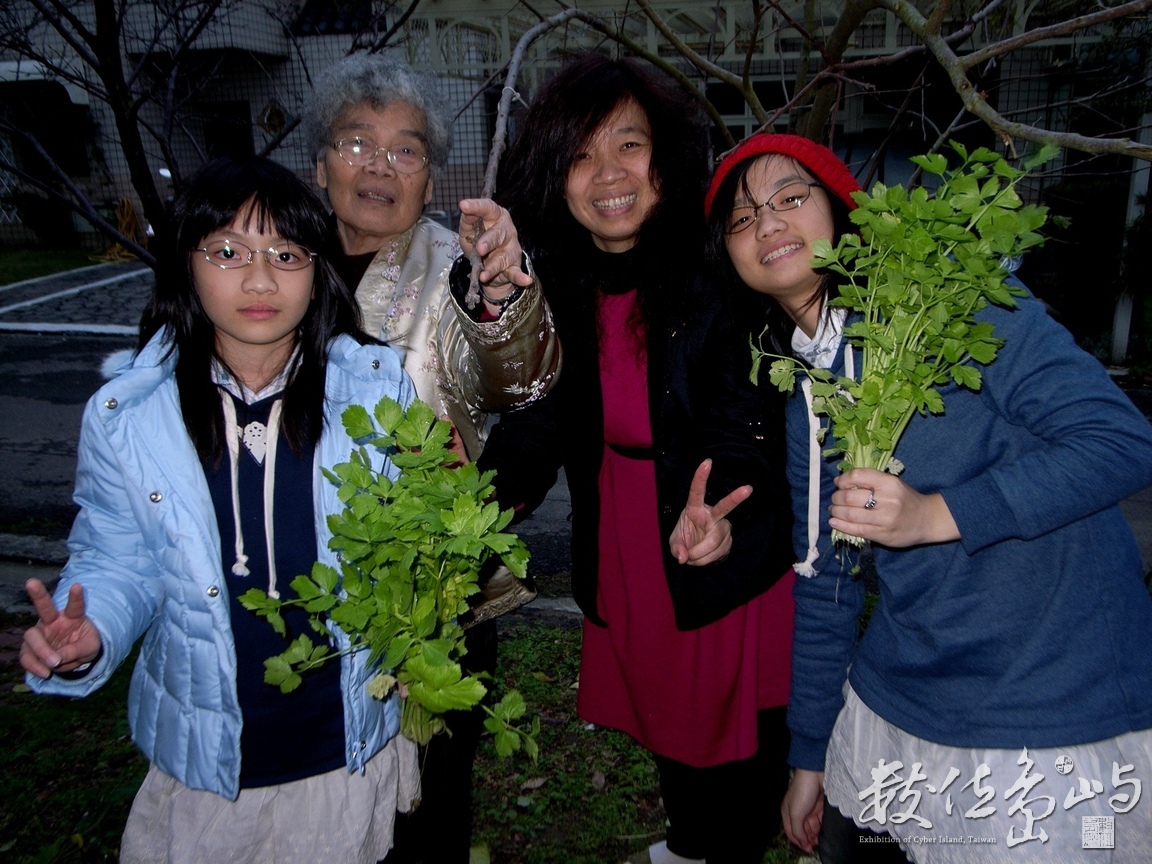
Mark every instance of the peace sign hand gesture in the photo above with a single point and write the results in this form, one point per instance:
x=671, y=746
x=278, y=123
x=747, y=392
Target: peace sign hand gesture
x=702, y=534
x=59, y=641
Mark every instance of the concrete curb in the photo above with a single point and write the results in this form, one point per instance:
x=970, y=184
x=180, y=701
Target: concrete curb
x=33, y=549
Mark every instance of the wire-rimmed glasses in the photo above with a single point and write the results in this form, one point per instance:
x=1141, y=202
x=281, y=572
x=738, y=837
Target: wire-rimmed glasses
x=357, y=151
x=789, y=197
x=231, y=255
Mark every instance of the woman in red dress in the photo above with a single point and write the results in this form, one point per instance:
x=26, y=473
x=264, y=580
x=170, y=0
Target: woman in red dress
x=686, y=652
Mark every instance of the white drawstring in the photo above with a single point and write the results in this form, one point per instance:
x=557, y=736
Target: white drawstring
x=269, y=491
x=807, y=566
x=233, y=434
x=232, y=438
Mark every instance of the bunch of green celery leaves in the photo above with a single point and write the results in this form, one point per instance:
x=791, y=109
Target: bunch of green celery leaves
x=914, y=279
x=411, y=551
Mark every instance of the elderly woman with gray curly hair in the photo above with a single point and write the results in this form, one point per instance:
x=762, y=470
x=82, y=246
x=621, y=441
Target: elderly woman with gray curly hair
x=381, y=135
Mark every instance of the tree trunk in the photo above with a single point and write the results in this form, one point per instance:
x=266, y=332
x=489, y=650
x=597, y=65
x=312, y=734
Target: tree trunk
x=812, y=124
x=124, y=109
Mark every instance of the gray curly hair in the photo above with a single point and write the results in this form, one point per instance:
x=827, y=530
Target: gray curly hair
x=377, y=81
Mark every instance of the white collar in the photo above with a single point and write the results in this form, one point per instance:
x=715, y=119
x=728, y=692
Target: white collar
x=820, y=350
x=222, y=378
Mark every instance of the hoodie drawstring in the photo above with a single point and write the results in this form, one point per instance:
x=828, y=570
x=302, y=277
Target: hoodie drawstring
x=807, y=566
x=233, y=435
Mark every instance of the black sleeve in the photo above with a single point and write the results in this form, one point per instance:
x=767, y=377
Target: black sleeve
x=524, y=448
x=741, y=428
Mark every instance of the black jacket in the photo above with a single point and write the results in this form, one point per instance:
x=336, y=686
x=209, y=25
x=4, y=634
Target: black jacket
x=702, y=405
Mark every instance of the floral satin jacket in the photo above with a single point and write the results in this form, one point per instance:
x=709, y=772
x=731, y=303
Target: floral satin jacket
x=463, y=368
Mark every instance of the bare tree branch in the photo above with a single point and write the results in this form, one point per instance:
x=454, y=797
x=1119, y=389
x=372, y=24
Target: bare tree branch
x=975, y=102
x=879, y=155
x=499, y=138
x=703, y=64
x=75, y=200
x=78, y=37
x=185, y=41
x=936, y=20
x=1064, y=28
x=911, y=51
x=746, y=72
x=940, y=141
x=382, y=41
x=602, y=26
x=279, y=139
x=806, y=36
x=812, y=125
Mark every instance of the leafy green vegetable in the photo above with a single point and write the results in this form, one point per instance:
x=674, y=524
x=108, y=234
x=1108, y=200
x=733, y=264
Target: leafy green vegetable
x=915, y=277
x=410, y=550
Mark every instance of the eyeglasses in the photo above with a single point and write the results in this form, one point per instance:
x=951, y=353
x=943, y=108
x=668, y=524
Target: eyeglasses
x=230, y=255
x=362, y=151
x=788, y=198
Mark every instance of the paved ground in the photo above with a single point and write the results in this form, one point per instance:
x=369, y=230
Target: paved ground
x=54, y=334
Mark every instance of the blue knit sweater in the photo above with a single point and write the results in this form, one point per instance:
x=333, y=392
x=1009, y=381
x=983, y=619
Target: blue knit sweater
x=1035, y=628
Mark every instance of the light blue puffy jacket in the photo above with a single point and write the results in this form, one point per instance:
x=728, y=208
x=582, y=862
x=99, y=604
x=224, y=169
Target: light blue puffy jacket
x=146, y=548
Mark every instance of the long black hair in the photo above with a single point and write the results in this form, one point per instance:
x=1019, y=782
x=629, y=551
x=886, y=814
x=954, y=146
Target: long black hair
x=269, y=195
x=780, y=325
x=565, y=114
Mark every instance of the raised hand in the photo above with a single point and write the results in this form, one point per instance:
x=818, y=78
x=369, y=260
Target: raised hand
x=498, y=247
x=702, y=534
x=61, y=640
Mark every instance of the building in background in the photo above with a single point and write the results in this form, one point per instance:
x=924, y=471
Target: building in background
x=203, y=79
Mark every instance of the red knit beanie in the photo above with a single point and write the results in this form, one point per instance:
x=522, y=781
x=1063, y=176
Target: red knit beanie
x=818, y=159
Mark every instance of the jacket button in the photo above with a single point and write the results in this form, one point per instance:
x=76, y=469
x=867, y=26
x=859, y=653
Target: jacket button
x=375, y=364
x=110, y=404
x=213, y=591
x=156, y=497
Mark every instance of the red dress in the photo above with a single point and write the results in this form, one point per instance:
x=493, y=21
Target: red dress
x=692, y=696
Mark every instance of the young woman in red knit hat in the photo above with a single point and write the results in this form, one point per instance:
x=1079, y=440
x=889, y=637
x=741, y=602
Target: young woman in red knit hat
x=999, y=704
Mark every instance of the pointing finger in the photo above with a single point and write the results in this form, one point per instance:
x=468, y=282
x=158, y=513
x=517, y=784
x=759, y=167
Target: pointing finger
x=75, y=607
x=699, y=484
x=41, y=601
x=485, y=208
x=731, y=501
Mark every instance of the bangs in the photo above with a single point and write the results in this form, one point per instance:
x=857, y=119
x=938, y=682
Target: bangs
x=261, y=194
x=743, y=187
x=255, y=215
x=598, y=111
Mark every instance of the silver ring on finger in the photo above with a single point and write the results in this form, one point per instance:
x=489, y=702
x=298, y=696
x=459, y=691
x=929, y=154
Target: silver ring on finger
x=871, y=502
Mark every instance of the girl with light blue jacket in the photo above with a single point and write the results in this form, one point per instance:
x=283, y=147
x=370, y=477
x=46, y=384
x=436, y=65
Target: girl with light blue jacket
x=198, y=478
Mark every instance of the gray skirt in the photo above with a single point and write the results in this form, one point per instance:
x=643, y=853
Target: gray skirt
x=339, y=816
x=953, y=805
